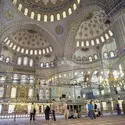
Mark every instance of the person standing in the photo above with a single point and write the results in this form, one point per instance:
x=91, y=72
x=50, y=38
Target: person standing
x=47, y=113
x=123, y=106
x=54, y=107
x=118, y=109
x=90, y=109
x=66, y=110
x=32, y=112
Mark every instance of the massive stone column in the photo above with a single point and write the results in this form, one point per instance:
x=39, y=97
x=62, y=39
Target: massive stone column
x=119, y=32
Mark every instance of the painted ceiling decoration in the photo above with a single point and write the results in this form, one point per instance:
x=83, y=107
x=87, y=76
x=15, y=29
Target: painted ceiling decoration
x=46, y=10
x=28, y=42
x=93, y=30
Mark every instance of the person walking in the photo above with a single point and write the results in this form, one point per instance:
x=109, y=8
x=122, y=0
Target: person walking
x=54, y=107
x=90, y=109
x=47, y=113
x=32, y=112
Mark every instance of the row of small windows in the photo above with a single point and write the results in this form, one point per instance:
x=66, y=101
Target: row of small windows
x=26, y=62
x=5, y=59
x=27, y=51
x=86, y=59
x=29, y=62
x=97, y=41
x=109, y=55
x=46, y=17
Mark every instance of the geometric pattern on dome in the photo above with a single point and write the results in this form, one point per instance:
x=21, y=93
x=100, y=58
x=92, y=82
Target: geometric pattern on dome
x=46, y=10
x=29, y=38
x=28, y=42
x=93, y=26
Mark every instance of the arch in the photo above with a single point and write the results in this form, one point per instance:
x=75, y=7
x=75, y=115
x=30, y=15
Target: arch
x=64, y=14
x=32, y=15
x=25, y=61
x=52, y=18
x=58, y=16
x=26, y=12
x=19, y=61
x=90, y=59
x=112, y=54
x=31, y=62
x=105, y=55
x=70, y=11
x=45, y=18
x=38, y=17
x=17, y=25
x=20, y=7
x=7, y=60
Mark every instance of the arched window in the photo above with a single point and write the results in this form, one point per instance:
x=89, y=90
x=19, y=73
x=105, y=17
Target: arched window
x=31, y=62
x=40, y=52
x=110, y=33
x=42, y=64
x=77, y=44
x=5, y=40
x=7, y=60
x=22, y=50
x=20, y=7
x=64, y=14
x=35, y=52
x=44, y=51
x=25, y=61
x=8, y=42
x=19, y=61
x=112, y=54
x=82, y=44
x=95, y=57
x=78, y=1
x=47, y=50
x=74, y=6
x=70, y=11
x=87, y=43
x=107, y=36
x=92, y=42
x=27, y=51
x=105, y=55
x=97, y=41
x=32, y=15
x=14, y=47
x=50, y=49
x=52, y=18
x=47, y=64
x=26, y=11
x=31, y=52
x=58, y=16
x=13, y=92
x=38, y=17
x=52, y=64
x=102, y=39
x=1, y=58
x=90, y=59
x=45, y=18
x=14, y=2
x=18, y=49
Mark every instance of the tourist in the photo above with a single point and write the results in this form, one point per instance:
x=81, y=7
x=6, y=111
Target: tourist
x=54, y=107
x=47, y=113
x=66, y=110
x=90, y=109
x=123, y=106
x=32, y=112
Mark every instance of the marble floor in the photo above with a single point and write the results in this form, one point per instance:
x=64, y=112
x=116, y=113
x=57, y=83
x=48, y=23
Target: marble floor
x=107, y=120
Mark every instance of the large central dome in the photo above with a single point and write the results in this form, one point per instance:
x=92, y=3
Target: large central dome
x=46, y=10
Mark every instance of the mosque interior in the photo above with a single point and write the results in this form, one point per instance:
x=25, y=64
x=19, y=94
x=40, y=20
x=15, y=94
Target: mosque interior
x=67, y=50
